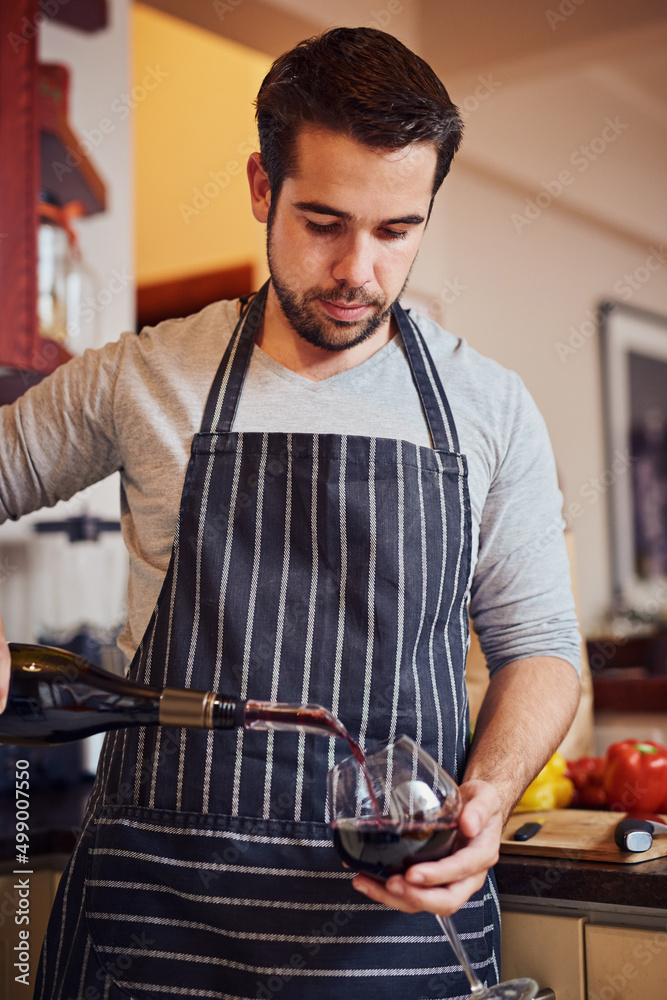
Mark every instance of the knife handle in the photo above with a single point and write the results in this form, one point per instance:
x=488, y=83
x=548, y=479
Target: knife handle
x=634, y=835
x=527, y=831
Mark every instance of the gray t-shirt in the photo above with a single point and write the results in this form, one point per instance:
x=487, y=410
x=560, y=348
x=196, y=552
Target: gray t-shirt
x=135, y=404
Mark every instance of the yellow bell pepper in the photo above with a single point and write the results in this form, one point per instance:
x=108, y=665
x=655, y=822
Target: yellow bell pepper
x=549, y=790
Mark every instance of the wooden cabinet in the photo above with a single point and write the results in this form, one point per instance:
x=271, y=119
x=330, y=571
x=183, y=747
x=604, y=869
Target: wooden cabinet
x=42, y=886
x=547, y=948
x=581, y=958
x=627, y=962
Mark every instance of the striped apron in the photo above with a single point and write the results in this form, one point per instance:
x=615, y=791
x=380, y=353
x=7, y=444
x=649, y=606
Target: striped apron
x=305, y=568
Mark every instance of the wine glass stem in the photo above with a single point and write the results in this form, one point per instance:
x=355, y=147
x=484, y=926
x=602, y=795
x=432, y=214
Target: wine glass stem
x=448, y=927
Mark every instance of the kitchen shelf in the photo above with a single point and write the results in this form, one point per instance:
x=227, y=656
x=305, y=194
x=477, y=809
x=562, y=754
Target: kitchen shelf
x=33, y=124
x=66, y=170
x=630, y=673
x=634, y=694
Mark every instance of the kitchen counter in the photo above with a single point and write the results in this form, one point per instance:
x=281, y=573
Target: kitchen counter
x=535, y=880
x=55, y=817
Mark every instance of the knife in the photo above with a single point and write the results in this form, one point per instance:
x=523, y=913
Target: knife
x=529, y=830
x=636, y=835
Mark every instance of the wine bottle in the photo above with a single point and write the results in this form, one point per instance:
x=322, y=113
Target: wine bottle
x=56, y=696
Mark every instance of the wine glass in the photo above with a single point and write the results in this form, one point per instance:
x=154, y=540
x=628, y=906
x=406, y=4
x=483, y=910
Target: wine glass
x=393, y=810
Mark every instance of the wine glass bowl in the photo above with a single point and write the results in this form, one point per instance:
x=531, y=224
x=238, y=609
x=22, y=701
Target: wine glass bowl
x=396, y=809
x=393, y=809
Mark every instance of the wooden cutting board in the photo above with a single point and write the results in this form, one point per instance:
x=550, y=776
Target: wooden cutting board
x=576, y=834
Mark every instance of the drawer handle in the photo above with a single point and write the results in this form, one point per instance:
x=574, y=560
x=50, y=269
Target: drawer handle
x=545, y=994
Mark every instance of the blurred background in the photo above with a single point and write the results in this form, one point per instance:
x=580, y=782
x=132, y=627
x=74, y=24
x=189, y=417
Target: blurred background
x=556, y=204
x=125, y=128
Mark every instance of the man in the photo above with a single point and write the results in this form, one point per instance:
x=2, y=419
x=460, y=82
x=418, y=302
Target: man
x=331, y=531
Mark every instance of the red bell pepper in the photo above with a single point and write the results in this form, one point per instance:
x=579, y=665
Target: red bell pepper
x=635, y=776
x=586, y=774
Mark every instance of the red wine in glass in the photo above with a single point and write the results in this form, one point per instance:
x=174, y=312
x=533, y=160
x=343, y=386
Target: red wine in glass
x=383, y=847
x=392, y=811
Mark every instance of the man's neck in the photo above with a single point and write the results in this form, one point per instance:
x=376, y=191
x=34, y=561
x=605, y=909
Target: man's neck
x=280, y=341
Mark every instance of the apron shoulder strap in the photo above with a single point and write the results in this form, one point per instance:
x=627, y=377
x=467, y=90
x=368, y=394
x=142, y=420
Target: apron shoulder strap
x=223, y=399
x=431, y=392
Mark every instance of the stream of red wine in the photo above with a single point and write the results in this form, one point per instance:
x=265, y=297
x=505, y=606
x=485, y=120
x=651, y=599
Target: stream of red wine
x=305, y=718
x=309, y=719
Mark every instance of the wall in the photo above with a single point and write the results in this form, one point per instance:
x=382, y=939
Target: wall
x=194, y=133
x=401, y=18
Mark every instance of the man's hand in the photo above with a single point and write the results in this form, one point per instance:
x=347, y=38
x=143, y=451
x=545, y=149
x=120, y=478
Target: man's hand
x=526, y=712
x=444, y=886
x=5, y=667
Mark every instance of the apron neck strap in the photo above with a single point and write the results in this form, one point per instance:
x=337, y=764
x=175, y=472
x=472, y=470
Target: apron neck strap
x=431, y=392
x=225, y=393
x=223, y=399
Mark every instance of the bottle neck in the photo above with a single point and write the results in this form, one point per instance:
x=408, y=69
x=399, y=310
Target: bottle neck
x=200, y=709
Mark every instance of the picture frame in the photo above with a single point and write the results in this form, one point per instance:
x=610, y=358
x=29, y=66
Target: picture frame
x=633, y=345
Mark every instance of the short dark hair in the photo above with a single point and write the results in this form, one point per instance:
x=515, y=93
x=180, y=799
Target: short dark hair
x=362, y=83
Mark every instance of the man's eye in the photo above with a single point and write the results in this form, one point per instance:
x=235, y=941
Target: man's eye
x=332, y=227
x=318, y=228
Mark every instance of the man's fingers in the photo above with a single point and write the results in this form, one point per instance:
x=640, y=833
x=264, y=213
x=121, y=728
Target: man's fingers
x=477, y=856
x=399, y=895
x=443, y=899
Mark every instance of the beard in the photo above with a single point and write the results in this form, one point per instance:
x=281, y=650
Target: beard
x=306, y=319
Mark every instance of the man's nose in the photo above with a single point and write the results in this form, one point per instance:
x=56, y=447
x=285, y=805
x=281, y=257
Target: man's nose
x=354, y=264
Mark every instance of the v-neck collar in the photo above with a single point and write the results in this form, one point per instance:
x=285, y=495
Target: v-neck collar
x=359, y=372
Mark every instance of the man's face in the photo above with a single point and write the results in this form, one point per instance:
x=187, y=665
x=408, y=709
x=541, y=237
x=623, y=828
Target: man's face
x=344, y=234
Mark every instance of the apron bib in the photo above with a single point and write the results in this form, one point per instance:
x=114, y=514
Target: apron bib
x=305, y=568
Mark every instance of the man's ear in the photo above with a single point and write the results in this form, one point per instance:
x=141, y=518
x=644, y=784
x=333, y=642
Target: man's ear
x=260, y=189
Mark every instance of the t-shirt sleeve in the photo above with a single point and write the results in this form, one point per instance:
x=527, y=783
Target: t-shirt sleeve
x=521, y=595
x=59, y=437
